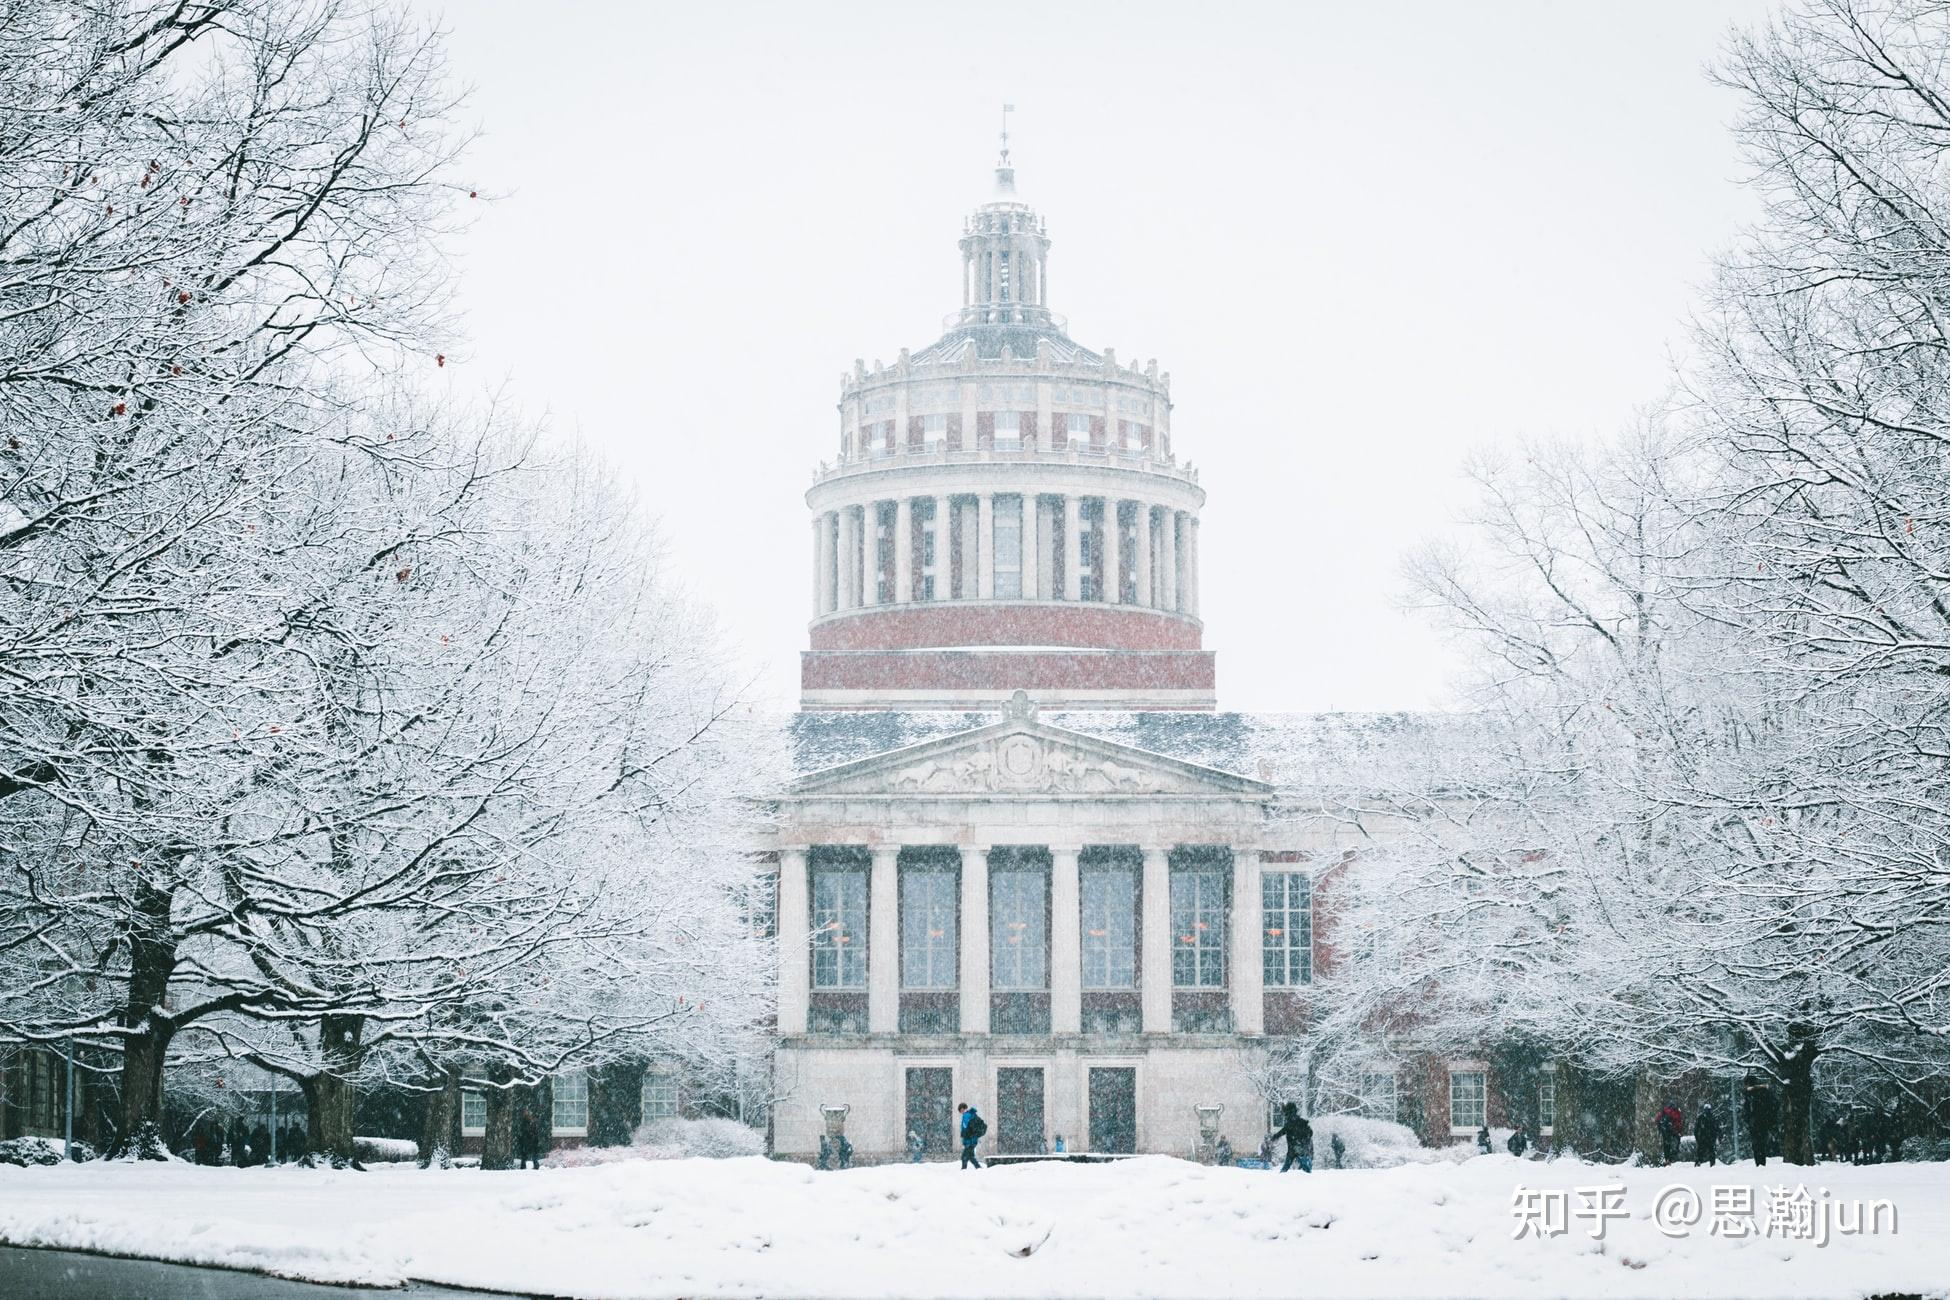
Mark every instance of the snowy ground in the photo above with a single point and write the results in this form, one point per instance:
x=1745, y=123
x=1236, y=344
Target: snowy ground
x=1148, y=1227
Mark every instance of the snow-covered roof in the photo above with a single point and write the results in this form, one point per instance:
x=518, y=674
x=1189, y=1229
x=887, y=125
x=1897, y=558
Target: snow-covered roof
x=987, y=342
x=1296, y=751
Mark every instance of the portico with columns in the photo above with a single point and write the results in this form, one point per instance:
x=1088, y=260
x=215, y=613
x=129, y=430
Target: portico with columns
x=1024, y=905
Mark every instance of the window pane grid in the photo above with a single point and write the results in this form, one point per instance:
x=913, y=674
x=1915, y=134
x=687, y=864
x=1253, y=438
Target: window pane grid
x=1019, y=924
x=571, y=1101
x=1198, y=928
x=1286, y=898
x=839, y=929
x=1466, y=1099
x=928, y=905
x=1109, y=899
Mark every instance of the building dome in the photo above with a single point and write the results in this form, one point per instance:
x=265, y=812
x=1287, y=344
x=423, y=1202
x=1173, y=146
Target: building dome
x=1005, y=512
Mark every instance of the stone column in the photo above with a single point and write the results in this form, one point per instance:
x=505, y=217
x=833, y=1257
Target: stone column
x=1065, y=943
x=1072, y=548
x=870, y=553
x=1113, y=592
x=985, y=546
x=1143, y=543
x=970, y=528
x=944, y=560
x=1248, y=928
x=794, y=919
x=904, y=550
x=1168, y=561
x=974, y=941
x=848, y=570
x=1031, y=549
x=829, y=564
x=819, y=550
x=1192, y=566
x=1154, y=980
x=883, y=942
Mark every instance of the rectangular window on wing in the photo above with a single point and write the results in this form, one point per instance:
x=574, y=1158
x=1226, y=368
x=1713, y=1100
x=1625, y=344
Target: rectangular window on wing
x=1466, y=1100
x=1019, y=928
x=839, y=928
x=570, y=1095
x=1198, y=927
x=1109, y=912
x=1286, y=898
x=928, y=927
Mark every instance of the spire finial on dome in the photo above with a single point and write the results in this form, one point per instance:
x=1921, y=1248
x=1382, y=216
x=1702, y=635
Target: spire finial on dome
x=1005, y=175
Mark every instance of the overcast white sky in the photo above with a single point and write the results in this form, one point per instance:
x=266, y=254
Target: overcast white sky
x=1366, y=239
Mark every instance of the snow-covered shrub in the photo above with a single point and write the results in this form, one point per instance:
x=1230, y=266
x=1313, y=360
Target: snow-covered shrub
x=376, y=1150
x=714, y=1139
x=39, y=1151
x=671, y=1139
x=1369, y=1143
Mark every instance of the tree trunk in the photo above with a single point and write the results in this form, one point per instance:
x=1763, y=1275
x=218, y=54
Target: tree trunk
x=1645, y=1118
x=335, y=1090
x=1567, y=1121
x=1798, y=1105
x=152, y=960
x=498, y=1142
x=443, y=1112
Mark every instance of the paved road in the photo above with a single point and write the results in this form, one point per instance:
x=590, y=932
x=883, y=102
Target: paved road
x=66, y=1275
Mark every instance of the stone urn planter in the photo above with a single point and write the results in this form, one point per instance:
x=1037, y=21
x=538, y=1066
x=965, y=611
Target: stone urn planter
x=1208, y=1132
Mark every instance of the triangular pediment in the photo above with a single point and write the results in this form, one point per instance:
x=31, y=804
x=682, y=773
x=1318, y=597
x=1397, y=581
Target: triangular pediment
x=1022, y=757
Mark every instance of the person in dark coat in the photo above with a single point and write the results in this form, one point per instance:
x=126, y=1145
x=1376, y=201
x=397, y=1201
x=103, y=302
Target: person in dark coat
x=1299, y=1137
x=1760, y=1112
x=240, y=1143
x=1518, y=1143
x=202, y=1143
x=528, y=1139
x=1483, y=1143
x=825, y=1160
x=1339, y=1149
x=291, y=1142
x=261, y=1144
x=973, y=1126
x=1671, y=1125
x=1706, y=1135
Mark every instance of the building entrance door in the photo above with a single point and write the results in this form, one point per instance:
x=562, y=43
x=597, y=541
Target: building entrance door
x=1018, y=1110
x=931, y=1109
x=1113, y=1109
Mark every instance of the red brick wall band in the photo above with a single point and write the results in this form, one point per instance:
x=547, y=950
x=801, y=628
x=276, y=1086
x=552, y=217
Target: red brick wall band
x=980, y=670
x=1046, y=623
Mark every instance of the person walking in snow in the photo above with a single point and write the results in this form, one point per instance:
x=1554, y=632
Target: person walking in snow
x=1483, y=1143
x=1222, y=1153
x=1758, y=1109
x=1518, y=1143
x=1706, y=1135
x=1671, y=1125
x=1299, y=1137
x=240, y=1144
x=973, y=1126
x=528, y=1140
x=1339, y=1149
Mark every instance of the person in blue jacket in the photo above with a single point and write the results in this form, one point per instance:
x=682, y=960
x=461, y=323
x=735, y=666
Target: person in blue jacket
x=973, y=1126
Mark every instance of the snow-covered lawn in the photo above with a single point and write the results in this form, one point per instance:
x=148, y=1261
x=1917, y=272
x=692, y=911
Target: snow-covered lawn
x=1148, y=1227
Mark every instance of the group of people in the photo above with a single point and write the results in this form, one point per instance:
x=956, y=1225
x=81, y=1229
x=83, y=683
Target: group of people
x=1865, y=1135
x=211, y=1143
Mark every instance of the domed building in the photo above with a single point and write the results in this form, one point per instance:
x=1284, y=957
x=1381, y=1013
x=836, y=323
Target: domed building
x=1005, y=512
x=1024, y=863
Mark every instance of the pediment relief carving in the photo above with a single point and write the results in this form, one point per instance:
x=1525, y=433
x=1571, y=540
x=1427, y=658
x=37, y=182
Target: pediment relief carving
x=1022, y=765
